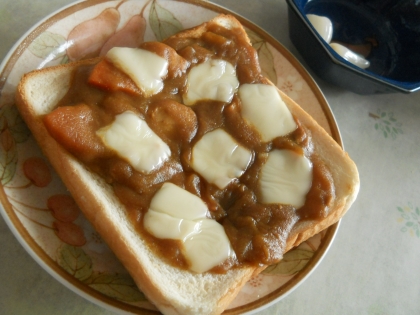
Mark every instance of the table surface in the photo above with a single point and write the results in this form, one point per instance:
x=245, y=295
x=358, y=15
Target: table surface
x=373, y=264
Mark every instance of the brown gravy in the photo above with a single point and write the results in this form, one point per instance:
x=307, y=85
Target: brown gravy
x=258, y=232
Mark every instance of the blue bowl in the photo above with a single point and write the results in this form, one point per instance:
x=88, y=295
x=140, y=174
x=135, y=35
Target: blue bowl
x=391, y=29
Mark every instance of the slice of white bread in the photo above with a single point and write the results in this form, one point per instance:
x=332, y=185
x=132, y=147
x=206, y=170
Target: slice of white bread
x=172, y=290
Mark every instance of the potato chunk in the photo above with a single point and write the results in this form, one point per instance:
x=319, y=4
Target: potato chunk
x=172, y=120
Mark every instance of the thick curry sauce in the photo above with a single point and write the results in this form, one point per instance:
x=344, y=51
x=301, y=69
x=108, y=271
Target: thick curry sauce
x=258, y=232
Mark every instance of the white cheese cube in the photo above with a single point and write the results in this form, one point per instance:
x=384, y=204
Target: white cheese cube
x=133, y=140
x=263, y=108
x=165, y=226
x=175, y=201
x=145, y=68
x=286, y=178
x=207, y=248
x=171, y=216
x=219, y=158
x=211, y=80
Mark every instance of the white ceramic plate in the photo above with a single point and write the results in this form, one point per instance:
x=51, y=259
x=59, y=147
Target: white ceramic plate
x=68, y=247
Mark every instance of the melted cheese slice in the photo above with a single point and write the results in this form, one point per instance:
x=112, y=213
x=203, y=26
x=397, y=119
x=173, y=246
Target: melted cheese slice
x=145, y=68
x=175, y=213
x=209, y=247
x=263, y=108
x=178, y=202
x=219, y=158
x=213, y=79
x=286, y=178
x=133, y=140
x=165, y=226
